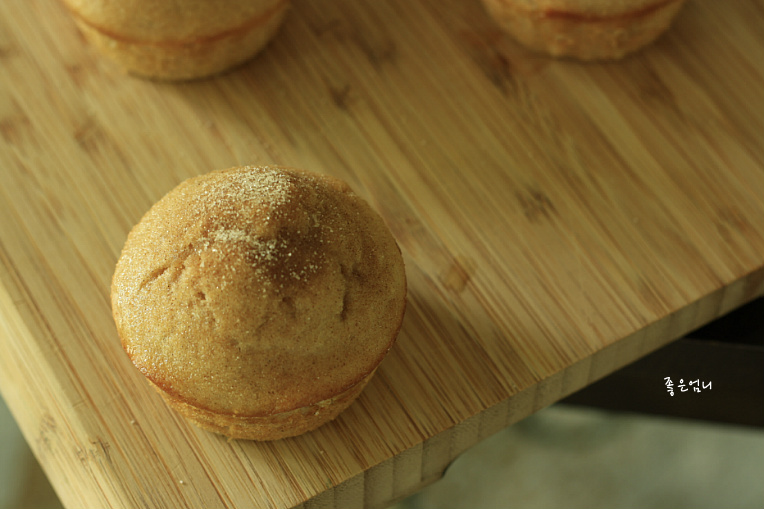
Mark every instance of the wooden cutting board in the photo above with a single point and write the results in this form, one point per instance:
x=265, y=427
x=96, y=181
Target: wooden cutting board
x=558, y=221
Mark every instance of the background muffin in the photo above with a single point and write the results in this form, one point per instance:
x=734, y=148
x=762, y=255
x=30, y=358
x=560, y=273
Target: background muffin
x=584, y=29
x=259, y=300
x=180, y=39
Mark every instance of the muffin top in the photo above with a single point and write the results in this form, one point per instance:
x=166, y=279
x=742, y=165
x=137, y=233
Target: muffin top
x=258, y=290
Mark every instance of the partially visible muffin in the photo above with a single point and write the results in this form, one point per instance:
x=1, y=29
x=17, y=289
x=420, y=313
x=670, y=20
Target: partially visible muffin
x=584, y=29
x=259, y=301
x=180, y=39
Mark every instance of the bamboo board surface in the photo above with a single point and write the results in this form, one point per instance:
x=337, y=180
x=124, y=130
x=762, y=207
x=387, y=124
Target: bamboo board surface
x=558, y=221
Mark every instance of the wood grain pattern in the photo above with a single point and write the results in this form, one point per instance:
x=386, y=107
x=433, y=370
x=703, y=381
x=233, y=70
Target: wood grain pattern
x=558, y=221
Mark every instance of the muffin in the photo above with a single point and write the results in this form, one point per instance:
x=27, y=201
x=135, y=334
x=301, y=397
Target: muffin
x=259, y=301
x=584, y=29
x=178, y=40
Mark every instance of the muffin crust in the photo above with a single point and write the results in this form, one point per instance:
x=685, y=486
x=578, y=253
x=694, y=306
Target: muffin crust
x=250, y=293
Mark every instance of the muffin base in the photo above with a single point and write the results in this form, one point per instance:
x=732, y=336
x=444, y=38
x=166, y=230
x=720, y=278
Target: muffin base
x=581, y=35
x=187, y=59
x=267, y=427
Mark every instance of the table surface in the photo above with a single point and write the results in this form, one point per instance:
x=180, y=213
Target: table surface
x=558, y=221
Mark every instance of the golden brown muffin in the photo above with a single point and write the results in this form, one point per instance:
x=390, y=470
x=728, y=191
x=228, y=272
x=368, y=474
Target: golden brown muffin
x=178, y=39
x=584, y=29
x=259, y=300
